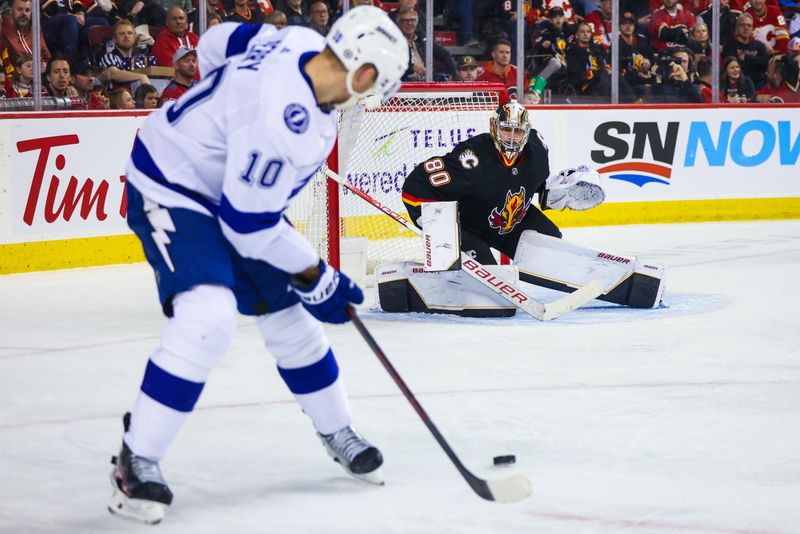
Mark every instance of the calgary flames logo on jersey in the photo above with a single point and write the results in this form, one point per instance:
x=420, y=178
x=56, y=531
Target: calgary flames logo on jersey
x=512, y=212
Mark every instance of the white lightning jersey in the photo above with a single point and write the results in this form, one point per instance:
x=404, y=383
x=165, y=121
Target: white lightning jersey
x=243, y=141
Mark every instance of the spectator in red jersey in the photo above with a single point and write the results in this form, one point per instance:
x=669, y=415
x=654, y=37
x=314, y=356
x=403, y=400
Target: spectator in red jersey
x=601, y=24
x=16, y=34
x=783, y=86
x=703, y=81
x=769, y=26
x=586, y=64
x=174, y=36
x=752, y=54
x=737, y=88
x=500, y=69
x=121, y=99
x=185, y=61
x=670, y=26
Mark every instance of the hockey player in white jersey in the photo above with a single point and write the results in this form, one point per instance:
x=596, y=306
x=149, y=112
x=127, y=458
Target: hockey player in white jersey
x=209, y=179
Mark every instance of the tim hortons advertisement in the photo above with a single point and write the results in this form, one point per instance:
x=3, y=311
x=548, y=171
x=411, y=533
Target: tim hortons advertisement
x=63, y=177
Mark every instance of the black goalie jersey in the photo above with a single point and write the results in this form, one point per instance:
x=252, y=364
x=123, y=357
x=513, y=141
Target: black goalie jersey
x=495, y=200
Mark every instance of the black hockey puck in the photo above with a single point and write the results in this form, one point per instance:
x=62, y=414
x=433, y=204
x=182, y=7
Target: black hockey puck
x=503, y=460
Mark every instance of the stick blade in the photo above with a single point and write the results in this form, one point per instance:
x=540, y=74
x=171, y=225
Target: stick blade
x=574, y=300
x=510, y=489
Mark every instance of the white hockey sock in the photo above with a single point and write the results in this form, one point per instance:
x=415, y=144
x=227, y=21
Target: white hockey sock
x=163, y=424
x=328, y=408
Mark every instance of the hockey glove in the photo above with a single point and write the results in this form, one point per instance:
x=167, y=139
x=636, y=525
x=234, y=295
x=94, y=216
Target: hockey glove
x=327, y=296
x=576, y=189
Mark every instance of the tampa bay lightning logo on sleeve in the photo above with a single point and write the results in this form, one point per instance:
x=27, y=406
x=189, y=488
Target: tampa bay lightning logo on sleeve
x=296, y=118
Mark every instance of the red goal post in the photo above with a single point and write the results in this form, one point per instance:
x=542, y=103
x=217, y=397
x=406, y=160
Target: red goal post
x=375, y=151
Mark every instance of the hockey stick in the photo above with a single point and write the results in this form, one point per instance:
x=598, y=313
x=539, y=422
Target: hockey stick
x=510, y=489
x=506, y=289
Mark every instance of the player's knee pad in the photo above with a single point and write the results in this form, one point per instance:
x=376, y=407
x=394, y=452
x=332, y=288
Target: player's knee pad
x=199, y=333
x=293, y=337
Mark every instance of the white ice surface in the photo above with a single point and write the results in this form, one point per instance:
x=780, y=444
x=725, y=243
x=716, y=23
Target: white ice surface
x=684, y=419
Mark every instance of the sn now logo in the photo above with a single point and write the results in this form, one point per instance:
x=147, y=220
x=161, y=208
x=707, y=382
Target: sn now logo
x=746, y=144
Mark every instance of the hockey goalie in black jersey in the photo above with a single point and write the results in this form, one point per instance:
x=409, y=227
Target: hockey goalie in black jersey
x=494, y=178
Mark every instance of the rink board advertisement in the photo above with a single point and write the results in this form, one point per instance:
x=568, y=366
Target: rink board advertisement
x=62, y=174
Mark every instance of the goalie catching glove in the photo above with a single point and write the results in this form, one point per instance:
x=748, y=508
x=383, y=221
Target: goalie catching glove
x=326, y=292
x=577, y=189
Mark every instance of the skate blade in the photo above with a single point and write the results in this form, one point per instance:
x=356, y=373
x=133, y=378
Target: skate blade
x=373, y=477
x=148, y=512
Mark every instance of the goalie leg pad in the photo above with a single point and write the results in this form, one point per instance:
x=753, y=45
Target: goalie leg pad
x=407, y=287
x=556, y=264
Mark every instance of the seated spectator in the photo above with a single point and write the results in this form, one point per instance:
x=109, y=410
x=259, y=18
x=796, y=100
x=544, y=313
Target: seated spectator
x=674, y=84
x=245, y=13
x=296, y=14
x=736, y=87
x=175, y=35
x=15, y=35
x=601, y=24
x=586, y=64
x=783, y=85
x=407, y=19
x=278, y=19
x=140, y=12
x=642, y=12
x=65, y=25
x=703, y=81
x=413, y=5
x=635, y=56
x=699, y=41
x=769, y=26
x=550, y=37
x=58, y=77
x=500, y=69
x=83, y=80
x=467, y=69
x=213, y=20
x=146, y=96
x=752, y=54
x=20, y=83
x=121, y=99
x=120, y=63
x=105, y=9
x=670, y=25
x=318, y=17
x=185, y=60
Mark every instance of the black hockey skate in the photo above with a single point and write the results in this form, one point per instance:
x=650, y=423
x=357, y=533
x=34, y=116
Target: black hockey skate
x=140, y=492
x=355, y=454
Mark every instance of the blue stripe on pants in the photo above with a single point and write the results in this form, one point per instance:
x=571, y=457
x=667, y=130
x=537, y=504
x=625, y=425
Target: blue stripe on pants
x=313, y=377
x=170, y=390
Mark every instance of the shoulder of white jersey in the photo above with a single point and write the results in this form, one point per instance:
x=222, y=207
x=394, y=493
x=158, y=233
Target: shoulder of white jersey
x=228, y=39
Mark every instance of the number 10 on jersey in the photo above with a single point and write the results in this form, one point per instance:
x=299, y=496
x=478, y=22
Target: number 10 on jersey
x=269, y=170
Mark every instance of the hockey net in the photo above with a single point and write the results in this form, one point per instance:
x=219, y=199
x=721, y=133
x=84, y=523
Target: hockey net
x=376, y=150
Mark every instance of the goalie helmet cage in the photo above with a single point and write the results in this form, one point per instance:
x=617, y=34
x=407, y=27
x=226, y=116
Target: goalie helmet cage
x=375, y=150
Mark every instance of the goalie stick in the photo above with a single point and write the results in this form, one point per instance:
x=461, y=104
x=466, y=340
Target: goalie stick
x=506, y=289
x=510, y=489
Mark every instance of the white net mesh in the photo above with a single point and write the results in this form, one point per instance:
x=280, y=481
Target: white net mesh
x=377, y=150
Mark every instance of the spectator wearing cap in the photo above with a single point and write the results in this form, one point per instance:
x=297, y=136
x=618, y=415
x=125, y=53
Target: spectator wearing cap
x=670, y=26
x=16, y=36
x=83, y=80
x=319, y=16
x=550, y=38
x=185, y=61
x=636, y=58
x=120, y=63
x=500, y=69
x=175, y=35
x=467, y=69
x=601, y=24
x=752, y=54
x=407, y=20
x=244, y=12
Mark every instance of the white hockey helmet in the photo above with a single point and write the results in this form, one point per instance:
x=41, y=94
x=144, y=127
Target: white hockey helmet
x=364, y=35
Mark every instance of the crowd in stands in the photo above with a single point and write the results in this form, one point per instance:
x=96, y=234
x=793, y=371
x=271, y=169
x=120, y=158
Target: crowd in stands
x=106, y=51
